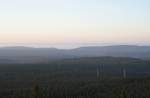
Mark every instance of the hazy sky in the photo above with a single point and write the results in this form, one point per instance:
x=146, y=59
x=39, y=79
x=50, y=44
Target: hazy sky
x=74, y=21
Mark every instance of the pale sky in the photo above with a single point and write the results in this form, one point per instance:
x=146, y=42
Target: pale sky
x=74, y=21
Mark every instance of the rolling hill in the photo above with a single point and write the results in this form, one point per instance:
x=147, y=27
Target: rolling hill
x=44, y=55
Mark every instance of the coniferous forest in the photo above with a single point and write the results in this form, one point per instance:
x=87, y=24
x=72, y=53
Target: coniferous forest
x=99, y=77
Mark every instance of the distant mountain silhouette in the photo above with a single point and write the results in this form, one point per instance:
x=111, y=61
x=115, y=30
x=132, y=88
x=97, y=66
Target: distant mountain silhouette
x=39, y=55
x=116, y=51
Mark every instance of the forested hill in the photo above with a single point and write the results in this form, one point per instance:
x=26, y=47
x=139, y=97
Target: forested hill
x=85, y=68
x=88, y=77
x=37, y=55
x=109, y=66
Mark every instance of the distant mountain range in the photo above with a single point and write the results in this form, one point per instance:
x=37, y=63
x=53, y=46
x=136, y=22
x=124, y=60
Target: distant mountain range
x=44, y=55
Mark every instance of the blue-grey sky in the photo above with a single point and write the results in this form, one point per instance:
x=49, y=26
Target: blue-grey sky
x=74, y=21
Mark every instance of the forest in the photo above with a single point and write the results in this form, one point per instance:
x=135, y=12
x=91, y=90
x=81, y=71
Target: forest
x=86, y=77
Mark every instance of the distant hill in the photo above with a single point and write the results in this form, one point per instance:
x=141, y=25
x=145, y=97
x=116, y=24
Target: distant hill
x=37, y=55
x=142, y=52
x=109, y=65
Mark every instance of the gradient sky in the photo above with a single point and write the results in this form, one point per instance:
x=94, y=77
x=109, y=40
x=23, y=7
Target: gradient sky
x=74, y=21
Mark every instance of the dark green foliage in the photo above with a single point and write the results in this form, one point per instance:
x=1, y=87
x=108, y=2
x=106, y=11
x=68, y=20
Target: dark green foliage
x=36, y=92
x=76, y=78
x=130, y=88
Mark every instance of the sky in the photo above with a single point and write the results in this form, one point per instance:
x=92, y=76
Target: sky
x=74, y=22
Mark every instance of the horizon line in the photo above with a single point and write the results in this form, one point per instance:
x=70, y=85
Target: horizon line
x=68, y=47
